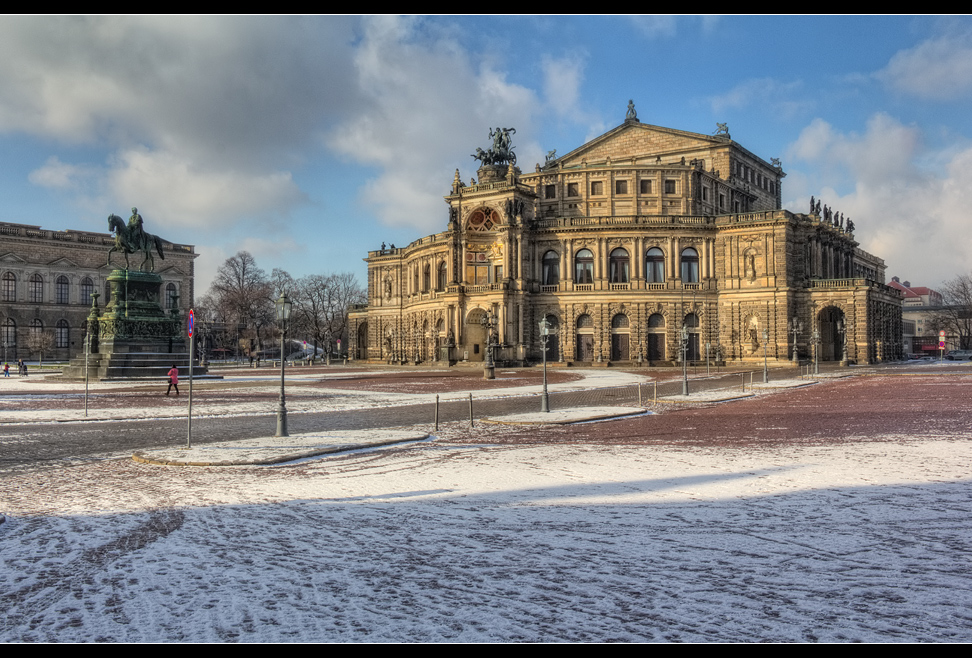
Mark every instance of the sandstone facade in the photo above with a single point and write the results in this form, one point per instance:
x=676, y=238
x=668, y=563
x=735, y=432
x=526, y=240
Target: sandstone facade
x=633, y=244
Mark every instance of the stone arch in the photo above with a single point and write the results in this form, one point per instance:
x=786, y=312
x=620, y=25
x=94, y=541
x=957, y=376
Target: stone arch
x=620, y=337
x=831, y=322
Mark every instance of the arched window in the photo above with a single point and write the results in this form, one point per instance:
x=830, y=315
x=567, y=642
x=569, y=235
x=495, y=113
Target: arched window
x=618, y=262
x=62, y=289
x=36, y=326
x=551, y=269
x=35, y=288
x=87, y=287
x=10, y=333
x=584, y=266
x=426, y=278
x=9, y=287
x=441, y=283
x=690, y=266
x=655, y=266
x=107, y=292
x=62, y=334
x=171, y=295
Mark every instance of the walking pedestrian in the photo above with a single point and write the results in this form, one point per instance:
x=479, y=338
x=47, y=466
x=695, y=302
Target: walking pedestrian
x=6, y=369
x=173, y=380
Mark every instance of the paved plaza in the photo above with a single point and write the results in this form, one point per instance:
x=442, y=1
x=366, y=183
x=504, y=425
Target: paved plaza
x=832, y=510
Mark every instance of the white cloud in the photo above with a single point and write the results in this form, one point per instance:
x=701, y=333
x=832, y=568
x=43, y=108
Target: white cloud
x=780, y=96
x=936, y=69
x=913, y=218
x=60, y=175
x=428, y=106
x=185, y=194
x=656, y=26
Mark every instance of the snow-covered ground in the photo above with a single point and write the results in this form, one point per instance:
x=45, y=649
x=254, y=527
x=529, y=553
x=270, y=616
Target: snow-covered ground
x=442, y=541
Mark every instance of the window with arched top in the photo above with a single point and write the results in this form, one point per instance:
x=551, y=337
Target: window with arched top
x=584, y=266
x=426, y=278
x=655, y=266
x=690, y=265
x=656, y=337
x=482, y=220
x=171, y=295
x=35, y=288
x=62, y=289
x=441, y=277
x=551, y=269
x=9, y=287
x=10, y=333
x=87, y=287
x=62, y=334
x=619, y=266
x=620, y=321
x=585, y=322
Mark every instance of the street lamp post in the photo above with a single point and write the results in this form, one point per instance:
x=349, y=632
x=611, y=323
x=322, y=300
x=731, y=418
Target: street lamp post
x=283, y=306
x=842, y=331
x=816, y=351
x=796, y=327
x=546, y=331
x=488, y=322
x=765, y=368
x=685, y=340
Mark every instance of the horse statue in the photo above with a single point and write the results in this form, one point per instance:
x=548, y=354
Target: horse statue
x=124, y=243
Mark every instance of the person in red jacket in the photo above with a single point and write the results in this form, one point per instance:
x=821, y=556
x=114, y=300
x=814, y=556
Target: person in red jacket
x=173, y=380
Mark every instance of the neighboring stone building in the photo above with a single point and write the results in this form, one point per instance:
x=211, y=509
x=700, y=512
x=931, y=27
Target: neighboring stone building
x=622, y=243
x=47, y=277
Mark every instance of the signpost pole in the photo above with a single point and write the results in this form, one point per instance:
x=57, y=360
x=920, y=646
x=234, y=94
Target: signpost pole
x=192, y=358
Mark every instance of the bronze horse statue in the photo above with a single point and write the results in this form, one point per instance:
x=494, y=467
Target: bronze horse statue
x=123, y=243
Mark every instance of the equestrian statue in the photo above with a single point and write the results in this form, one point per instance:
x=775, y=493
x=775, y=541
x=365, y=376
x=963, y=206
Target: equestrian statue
x=130, y=238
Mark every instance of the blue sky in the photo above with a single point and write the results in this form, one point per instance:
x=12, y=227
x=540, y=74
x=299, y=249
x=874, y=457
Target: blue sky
x=309, y=140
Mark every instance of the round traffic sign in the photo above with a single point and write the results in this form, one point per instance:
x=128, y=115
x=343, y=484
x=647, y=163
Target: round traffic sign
x=192, y=321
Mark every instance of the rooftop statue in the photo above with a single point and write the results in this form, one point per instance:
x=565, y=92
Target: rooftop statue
x=502, y=150
x=131, y=238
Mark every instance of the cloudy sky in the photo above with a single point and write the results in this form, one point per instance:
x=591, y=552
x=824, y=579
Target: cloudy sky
x=308, y=141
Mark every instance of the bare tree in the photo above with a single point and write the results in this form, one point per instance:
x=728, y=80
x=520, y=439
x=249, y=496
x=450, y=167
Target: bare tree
x=324, y=301
x=40, y=342
x=956, y=314
x=242, y=293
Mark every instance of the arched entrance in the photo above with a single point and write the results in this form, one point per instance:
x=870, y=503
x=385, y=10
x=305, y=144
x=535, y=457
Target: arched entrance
x=619, y=338
x=656, y=337
x=692, y=323
x=362, y=341
x=831, y=321
x=475, y=336
x=585, y=338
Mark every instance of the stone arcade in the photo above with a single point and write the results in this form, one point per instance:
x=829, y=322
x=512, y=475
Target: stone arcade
x=621, y=243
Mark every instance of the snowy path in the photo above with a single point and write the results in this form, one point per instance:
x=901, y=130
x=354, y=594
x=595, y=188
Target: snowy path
x=866, y=541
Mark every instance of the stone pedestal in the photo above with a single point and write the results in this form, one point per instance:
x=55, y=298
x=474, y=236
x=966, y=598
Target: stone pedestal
x=135, y=339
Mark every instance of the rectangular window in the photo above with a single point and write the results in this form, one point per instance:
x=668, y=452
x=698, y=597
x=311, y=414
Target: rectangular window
x=645, y=186
x=597, y=188
x=572, y=189
x=620, y=187
x=669, y=187
x=705, y=194
x=550, y=192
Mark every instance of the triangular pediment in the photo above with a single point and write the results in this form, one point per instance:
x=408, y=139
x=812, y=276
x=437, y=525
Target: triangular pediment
x=11, y=257
x=171, y=271
x=62, y=263
x=637, y=141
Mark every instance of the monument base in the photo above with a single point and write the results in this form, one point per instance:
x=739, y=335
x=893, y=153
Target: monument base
x=134, y=338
